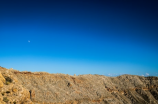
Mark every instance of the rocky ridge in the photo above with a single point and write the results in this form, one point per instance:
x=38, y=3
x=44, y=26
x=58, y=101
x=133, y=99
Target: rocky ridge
x=43, y=88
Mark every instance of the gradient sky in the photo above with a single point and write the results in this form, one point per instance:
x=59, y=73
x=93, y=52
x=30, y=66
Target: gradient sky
x=103, y=37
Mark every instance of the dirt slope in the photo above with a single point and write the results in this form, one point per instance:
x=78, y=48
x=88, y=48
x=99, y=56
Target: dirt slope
x=44, y=88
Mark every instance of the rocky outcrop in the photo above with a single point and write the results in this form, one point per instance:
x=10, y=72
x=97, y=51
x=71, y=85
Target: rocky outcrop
x=12, y=92
x=45, y=88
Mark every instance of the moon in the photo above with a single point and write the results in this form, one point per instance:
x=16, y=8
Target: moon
x=28, y=41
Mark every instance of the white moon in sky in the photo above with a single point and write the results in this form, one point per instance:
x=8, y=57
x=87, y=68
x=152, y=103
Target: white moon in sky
x=29, y=41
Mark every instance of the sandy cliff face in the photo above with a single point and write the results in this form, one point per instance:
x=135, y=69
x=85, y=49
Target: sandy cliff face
x=44, y=88
x=11, y=91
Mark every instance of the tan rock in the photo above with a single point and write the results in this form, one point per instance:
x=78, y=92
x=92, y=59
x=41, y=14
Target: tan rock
x=1, y=84
x=2, y=78
x=45, y=88
x=2, y=102
x=1, y=98
x=14, y=89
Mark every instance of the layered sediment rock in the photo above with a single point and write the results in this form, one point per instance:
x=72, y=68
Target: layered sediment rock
x=44, y=88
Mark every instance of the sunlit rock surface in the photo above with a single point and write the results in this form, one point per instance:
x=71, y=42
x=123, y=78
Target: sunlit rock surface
x=43, y=88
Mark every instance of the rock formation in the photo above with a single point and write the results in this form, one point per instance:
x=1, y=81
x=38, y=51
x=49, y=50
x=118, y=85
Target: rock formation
x=43, y=88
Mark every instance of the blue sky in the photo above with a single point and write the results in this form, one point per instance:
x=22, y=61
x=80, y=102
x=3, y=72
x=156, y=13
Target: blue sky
x=80, y=37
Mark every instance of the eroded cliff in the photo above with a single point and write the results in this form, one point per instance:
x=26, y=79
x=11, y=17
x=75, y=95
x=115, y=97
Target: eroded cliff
x=44, y=88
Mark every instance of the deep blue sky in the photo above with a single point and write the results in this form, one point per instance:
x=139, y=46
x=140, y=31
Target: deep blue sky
x=80, y=36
